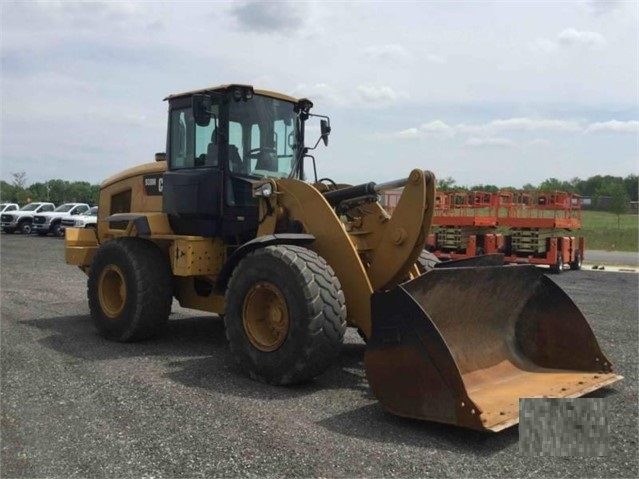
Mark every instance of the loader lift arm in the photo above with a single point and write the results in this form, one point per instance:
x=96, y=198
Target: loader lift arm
x=370, y=251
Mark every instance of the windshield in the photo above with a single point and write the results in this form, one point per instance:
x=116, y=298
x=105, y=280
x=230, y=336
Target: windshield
x=264, y=133
x=63, y=208
x=30, y=207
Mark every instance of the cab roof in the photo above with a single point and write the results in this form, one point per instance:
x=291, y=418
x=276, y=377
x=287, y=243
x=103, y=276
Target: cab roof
x=220, y=88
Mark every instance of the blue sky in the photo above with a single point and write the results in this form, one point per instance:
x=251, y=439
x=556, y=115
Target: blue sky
x=503, y=93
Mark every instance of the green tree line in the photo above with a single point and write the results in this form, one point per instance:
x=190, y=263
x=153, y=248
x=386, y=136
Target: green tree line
x=55, y=191
x=621, y=190
x=595, y=186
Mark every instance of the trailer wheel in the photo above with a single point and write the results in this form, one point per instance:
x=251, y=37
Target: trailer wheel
x=129, y=289
x=285, y=314
x=577, y=263
x=558, y=267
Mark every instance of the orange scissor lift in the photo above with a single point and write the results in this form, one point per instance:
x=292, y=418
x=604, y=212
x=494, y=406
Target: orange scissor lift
x=464, y=225
x=524, y=227
x=540, y=229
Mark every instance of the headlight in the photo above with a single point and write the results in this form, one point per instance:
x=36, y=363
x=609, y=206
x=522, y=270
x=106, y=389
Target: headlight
x=265, y=190
x=79, y=223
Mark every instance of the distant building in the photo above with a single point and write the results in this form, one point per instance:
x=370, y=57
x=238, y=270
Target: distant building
x=599, y=203
x=602, y=203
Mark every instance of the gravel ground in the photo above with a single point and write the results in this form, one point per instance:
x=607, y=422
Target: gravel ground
x=75, y=405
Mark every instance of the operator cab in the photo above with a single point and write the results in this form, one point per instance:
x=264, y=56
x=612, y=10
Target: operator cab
x=220, y=141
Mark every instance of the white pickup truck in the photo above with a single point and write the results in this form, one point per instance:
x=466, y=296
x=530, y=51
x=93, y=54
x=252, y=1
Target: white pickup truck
x=8, y=207
x=88, y=219
x=23, y=218
x=45, y=223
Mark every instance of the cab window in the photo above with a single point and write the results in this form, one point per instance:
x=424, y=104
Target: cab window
x=262, y=129
x=191, y=145
x=181, y=146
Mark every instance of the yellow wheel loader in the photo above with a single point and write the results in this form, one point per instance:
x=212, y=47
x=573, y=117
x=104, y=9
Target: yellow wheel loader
x=228, y=221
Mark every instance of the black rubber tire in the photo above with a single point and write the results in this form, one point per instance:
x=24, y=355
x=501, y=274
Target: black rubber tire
x=56, y=231
x=426, y=261
x=576, y=265
x=558, y=267
x=316, y=309
x=9, y=231
x=147, y=279
x=26, y=228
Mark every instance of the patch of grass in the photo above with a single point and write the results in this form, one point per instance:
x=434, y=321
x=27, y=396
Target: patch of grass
x=602, y=231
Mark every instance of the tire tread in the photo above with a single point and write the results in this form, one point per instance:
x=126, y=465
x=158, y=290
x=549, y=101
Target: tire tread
x=152, y=290
x=325, y=313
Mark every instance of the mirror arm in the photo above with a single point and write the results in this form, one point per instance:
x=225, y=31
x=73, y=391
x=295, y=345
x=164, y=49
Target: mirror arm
x=324, y=134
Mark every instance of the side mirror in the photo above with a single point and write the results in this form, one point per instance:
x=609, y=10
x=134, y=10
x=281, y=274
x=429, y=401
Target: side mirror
x=325, y=130
x=202, y=109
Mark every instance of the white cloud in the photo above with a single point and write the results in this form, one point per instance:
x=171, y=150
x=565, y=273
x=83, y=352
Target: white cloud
x=614, y=126
x=434, y=58
x=602, y=7
x=270, y=17
x=375, y=94
x=567, y=38
x=542, y=45
x=538, y=143
x=570, y=37
x=408, y=134
x=387, y=52
x=485, y=134
x=108, y=7
x=433, y=129
x=320, y=93
x=519, y=124
x=490, y=142
x=438, y=128
x=530, y=124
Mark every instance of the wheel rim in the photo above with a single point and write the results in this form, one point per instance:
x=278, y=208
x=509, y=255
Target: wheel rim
x=26, y=228
x=112, y=291
x=265, y=317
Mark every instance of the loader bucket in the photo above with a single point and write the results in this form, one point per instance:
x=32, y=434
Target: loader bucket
x=462, y=345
